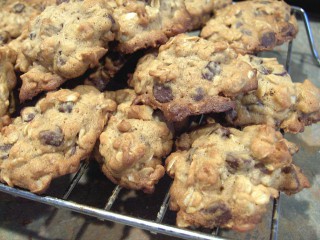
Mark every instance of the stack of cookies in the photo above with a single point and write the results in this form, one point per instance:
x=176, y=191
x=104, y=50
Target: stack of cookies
x=225, y=169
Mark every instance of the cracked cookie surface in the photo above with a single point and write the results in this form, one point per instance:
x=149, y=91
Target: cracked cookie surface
x=252, y=26
x=192, y=76
x=277, y=101
x=63, y=42
x=225, y=177
x=133, y=144
x=50, y=139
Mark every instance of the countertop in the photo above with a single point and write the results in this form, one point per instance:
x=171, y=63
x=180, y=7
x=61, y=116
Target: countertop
x=299, y=216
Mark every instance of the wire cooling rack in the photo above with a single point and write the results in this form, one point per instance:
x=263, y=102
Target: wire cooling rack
x=157, y=225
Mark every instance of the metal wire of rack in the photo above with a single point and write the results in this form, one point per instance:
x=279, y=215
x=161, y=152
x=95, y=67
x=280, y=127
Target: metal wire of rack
x=153, y=226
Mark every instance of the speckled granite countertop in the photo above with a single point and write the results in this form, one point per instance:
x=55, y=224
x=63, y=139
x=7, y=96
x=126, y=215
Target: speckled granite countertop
x=299, y=215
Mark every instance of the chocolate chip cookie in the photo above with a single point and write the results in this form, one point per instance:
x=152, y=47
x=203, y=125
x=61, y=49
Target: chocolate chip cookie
x=278, y=101
x=133, y=144
x=225, y=177
x=7, y=83
x=63, y=42
x=50, y=139
x=15, y=16
x=151, y=23
x=192, y=76
x=218, y=4
x=252, y=26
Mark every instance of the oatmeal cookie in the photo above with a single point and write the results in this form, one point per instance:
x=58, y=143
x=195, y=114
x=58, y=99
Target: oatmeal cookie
x=15, y=15
x=7, y=83
x=63, y=42
x=192, y=76
x=278, y=101
x=252, y=26
x=218, y=4
x=225, y=177
x=133, y=144
x=50, y=139
x=151, y=23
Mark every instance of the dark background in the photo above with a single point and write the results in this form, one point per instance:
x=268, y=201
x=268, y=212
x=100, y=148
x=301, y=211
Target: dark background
x=311, y=6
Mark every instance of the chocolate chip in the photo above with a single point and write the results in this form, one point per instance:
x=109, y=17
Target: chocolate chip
x=233, y=163
x=221, y=213
x=239, y=24
x=288, y=30
x=6, y=147
x=162, y=93
x=32, y=36
x=262, y=168
x=53, y=138
x=28, y=117
x=199, y=94
x=212, y=69
x=66, y=107
x=18, y=8
x=58, y=2
x=246, y=32
x=61, y=61
x=268, y=39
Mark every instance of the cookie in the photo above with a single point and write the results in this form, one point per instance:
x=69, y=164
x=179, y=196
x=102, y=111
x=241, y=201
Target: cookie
x=7, y=83
x=200, y=12
x=63, y=42
x=151, y=23
x=133, y=144
x=192, y=76
x=49, y=140
x=15, y=15
x=252, y=26
x=218, y=4
x=278, y=101
x=225, y=177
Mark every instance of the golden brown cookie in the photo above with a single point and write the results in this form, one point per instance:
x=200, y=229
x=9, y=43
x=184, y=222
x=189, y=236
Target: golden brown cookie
x=63, y=42
x=133, y=144
x=50, y=139
x=151, y=23
x=15, y=16
x=278, y=101
x=225, y=177
x=7, y=83
x=252, y=26
x=192, y=76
